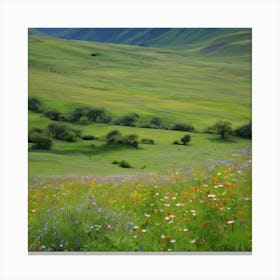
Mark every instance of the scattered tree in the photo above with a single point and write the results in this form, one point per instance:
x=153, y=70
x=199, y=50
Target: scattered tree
x=223, y=128
x=127, y=120
x=183, y=127
x=40, y=141
x=186, y=139
x=124, y=164
x=147, y=141
x=156, y=121
x=63, y=132
x=244, y=131
x=34, y=104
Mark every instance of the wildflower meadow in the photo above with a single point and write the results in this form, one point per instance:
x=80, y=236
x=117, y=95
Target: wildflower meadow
x=184, y=211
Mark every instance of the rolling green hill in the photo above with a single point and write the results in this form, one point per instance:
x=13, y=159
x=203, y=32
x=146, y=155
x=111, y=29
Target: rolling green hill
x=176, y=85
x=213, y=38
x=198, y=85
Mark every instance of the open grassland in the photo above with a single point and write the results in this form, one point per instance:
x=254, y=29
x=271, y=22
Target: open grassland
x=96, y=157
x=176, y=85
x=205, y=210
x=178, y=198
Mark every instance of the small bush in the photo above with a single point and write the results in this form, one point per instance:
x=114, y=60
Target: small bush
x=223, y=128
x=124, y=164
x=79, y=113
x=183, y=127
x=131, y=140
x=127, y=120
x=54, y=115
x=88, y=137
x=115, y=137
x=147, y=141
x=186, y=139
x=156, y=121
x=63, y=132
x=86, y=114
x=41, y=142
x=34, y=104
x=115, y=162
x=245, y=131
x=176, y=142
x=99, y=115
x=36, y=129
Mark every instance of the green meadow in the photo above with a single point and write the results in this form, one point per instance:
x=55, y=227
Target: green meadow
x=95, y=157
x=174, y=84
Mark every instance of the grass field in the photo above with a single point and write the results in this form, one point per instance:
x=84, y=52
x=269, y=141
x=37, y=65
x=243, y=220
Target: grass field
x=194, y=197
x=81, y=158
x=175, y=85
x=209, y=210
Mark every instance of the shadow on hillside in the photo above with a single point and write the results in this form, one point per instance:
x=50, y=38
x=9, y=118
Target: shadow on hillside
x=89, y=151
x=222, y=140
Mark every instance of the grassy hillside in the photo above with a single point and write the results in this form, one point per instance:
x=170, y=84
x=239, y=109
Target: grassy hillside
x=160, y=37
x=176, y=85
x=91, y=190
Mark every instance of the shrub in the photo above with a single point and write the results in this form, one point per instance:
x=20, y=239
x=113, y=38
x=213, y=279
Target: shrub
x=85, y=114
x=36, y=129
x=156, y=121
x=244, y=131
x=70, y=136
x=34, y=134
x=63, y=132
x=223, y=128
x=124, y=164
x=115, y=137
x=41, y=142
x=183, y=127
x=186, y=139
x=99, y=115
x=176, y=142
x=131, y=140
x=54, y=115
x=34, y=104
x=147, y=141
x=78, y=113
x=127, y=120
x=88, y=137
x=115, y=162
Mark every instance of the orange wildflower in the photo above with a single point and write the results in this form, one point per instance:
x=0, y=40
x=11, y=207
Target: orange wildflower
x=224, y=200
x=183, y=193
x=213, y=180
x=240, y=213
x=231, y=194
x=226, y=185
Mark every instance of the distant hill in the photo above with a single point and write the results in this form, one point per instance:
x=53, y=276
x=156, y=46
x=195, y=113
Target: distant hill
x=208, y=40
